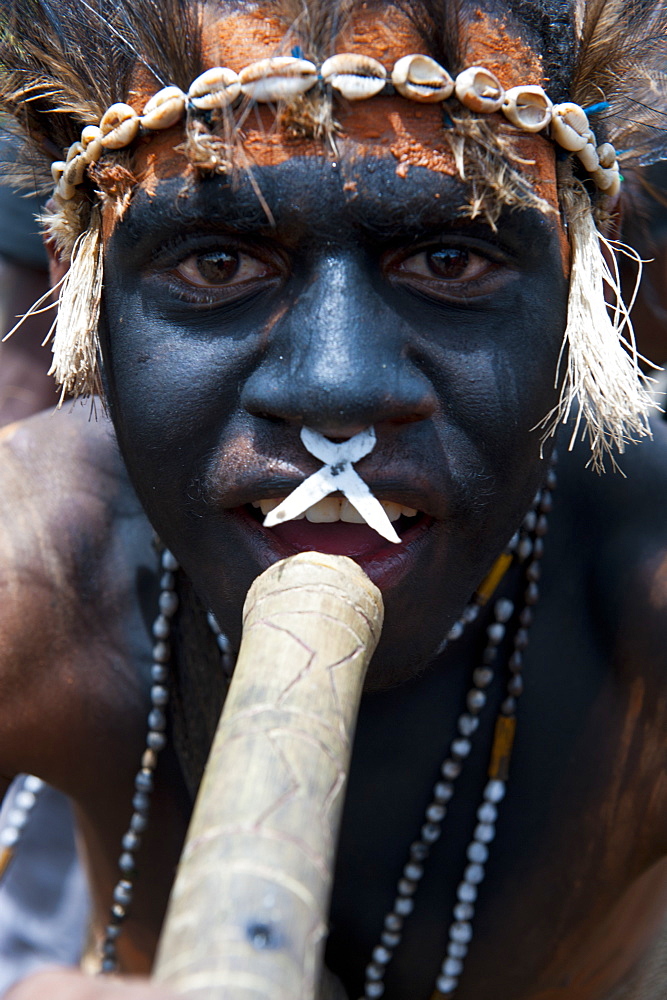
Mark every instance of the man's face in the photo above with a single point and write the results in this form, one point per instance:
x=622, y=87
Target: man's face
x=367, y=298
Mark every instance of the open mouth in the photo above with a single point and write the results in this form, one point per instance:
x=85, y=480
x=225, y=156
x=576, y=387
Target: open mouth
x=333, y=525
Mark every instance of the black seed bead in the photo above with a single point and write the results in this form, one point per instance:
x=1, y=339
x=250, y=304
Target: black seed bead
x=532, y=594
x=159, y=673
x=157, y=719
x=138, y=823
x=144, y=781
x=515, y=686
x=108, y=965
x=526, y=618
x=161, y=652
x=156, y=741
x=131, y=841
x=142, y=803
x=521, y=639
x=126, y=863
x=515, y=662
x=546, y=503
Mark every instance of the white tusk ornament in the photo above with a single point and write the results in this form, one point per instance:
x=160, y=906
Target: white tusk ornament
x=336, y=474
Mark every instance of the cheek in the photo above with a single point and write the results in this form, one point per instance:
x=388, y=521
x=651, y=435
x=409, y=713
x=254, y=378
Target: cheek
x=172, y=392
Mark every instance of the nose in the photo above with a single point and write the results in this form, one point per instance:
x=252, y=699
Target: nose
x=338, y=360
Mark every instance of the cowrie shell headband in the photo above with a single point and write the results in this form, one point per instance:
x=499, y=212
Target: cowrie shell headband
x=355, y=77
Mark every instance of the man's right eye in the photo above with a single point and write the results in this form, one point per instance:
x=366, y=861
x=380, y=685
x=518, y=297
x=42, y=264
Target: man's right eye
x=222, y=268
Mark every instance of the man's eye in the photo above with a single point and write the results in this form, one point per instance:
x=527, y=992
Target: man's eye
x=446, y=263
x=218, y=268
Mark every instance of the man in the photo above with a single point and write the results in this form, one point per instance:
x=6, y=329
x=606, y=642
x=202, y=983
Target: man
x=336, y=262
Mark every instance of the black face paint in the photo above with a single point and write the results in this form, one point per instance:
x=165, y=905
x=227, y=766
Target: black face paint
x=335, y=318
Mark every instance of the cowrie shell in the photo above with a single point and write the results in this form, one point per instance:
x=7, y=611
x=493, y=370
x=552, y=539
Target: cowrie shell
x=606, y=155
x=75, y=149
x=479, y=89
x=164, y=109
x=605, y=177
x=422, y=79
x=355, y=76
x=615, y=185
x=216, y=88
x=569, y=126
x=57, y=170
x=91, y=140
x=529, y=108
x=65, y=190
x=119, y=126
x=277, y=79
x=588, y=157
x=76, y=168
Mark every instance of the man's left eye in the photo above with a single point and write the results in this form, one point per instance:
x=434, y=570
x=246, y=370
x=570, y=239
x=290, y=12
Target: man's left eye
x=456, y=264
x=218, y=268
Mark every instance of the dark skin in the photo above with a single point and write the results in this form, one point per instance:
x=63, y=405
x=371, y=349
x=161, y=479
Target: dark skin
x=445, y=337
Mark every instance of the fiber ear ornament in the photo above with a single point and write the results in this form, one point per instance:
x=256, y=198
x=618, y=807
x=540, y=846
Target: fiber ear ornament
x=602, y=370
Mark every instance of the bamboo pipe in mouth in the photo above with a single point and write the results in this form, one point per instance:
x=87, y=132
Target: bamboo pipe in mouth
x=247, y=919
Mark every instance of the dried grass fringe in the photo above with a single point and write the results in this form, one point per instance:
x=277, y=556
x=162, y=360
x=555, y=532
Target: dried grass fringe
x=76, y=339
x=602, y=375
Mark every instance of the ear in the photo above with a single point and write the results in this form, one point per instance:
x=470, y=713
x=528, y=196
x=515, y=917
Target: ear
x=58, y=267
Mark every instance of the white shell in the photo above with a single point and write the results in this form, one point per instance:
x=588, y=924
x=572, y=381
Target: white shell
x=216, y=88
x=527, y=107
x=589, y=157
x=277, y=79
x=569, y=126
x=355, y=76
x=605, y=177
x=119, y=126
x=422, y=79
x=164, y=109
x=615, y=185
x=64, y=190
x=606, y=155
x=75, y=149
x=91, y=140
x=76, y=168
x=57, y=170
x=479, y=89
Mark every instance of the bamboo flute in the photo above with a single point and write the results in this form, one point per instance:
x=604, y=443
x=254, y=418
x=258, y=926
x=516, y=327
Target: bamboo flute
x=247, y=919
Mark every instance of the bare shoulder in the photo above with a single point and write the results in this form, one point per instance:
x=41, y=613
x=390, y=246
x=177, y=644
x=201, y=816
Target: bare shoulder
x=72, y=536
x=62, y=484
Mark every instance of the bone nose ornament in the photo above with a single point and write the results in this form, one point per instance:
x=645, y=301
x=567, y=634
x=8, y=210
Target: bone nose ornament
x=335, y=475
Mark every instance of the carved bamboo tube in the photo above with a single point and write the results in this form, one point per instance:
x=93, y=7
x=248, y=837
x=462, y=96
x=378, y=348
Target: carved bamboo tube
x=247, y=918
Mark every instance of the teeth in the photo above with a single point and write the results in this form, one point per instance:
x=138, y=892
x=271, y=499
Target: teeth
x=325, y=512
x=332, y=509
x=350, y=514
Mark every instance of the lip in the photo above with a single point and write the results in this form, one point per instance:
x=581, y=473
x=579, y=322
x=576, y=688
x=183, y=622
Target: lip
x=385, y=563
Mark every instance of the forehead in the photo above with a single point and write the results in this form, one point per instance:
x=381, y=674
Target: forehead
x=407, y=134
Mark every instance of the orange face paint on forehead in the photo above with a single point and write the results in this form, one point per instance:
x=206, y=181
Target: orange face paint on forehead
x=411, y=133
